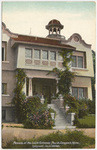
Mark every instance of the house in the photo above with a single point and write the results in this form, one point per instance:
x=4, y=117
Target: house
x=37, y=56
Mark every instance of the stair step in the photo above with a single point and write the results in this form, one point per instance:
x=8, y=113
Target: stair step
x=60, y=121
x=64, y=127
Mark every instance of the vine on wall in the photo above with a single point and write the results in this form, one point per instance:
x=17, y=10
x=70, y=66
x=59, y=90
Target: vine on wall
x=19, y=95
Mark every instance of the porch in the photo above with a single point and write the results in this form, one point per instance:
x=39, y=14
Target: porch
x=42, y=87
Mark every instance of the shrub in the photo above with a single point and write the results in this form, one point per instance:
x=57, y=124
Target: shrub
x=37, y=114
x=71, y=139
x=83, y=108
x=86, y=122
x=91, y=106
x=41, y=119
x=87, y=106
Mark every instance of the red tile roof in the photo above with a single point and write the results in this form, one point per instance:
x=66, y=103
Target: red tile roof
x=39, y=40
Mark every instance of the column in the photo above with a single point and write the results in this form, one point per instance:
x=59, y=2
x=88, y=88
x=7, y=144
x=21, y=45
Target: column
x=49, y=31
x=30, y=93
x=57, y=90
x=59, y=31
x=24, y=87
x=56, y=30
x=52, y=30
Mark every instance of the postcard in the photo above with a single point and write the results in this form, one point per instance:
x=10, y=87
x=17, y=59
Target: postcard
x=48, y=74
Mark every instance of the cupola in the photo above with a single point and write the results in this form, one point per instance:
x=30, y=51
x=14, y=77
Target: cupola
x=54, y=27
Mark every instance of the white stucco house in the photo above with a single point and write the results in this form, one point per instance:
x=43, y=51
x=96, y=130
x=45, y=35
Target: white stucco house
x=37, y=56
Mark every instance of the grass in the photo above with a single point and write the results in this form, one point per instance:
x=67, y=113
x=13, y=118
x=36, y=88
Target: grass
x=87, y=122
x=71, y=139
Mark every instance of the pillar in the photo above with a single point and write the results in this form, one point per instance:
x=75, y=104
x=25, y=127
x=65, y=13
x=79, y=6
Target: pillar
x=59, y=31
x=56, y=30
x=30, y=93
x=57, y=90
x=52, y=30
x=24, y=87
x=49, y=31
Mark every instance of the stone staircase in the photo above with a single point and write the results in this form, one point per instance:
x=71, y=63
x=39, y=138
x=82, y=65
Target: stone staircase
x=60, y=120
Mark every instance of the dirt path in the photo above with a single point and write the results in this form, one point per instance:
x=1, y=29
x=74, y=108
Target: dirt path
x=9, y=133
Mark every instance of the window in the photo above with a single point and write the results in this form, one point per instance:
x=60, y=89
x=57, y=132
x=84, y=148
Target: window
x=3, y=114
x=77, y=61
x=74, y=62
x=37, y=54
x=79, y=92
x=3, y=54
x=4, y=88
x=60, y=57
x=52, y=56
x=4, y=50
x=75, y=92
x=80, y=62
x=45, y=55
x=28, y=53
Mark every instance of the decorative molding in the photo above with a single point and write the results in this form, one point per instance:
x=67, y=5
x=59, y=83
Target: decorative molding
x=77, y=37
x=8, y=31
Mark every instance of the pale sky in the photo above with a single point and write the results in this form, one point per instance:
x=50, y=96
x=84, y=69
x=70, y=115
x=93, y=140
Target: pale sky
x=77, y=17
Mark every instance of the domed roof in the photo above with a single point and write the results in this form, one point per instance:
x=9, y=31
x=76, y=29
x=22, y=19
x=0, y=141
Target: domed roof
x=54, y=23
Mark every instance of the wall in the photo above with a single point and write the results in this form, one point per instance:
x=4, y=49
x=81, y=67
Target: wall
x=89, y=61
x=9, y=78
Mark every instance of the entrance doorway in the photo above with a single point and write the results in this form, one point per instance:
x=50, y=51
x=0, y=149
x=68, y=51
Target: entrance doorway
x=47, y=93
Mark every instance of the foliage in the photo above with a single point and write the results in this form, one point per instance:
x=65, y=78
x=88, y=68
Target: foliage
x=83, y=108
x=67, y=57
x=31, y=104
x=86, y=122
x=39, y=120
x=64, y=75
x=72, y=102
x=37, y=115
x=30, y=111
x=87, y=106
x=93, y=79
x=91, y=106
x=71, y=139
x=19, y=95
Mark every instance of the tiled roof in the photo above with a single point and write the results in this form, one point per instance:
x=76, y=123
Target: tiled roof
x=39, y=40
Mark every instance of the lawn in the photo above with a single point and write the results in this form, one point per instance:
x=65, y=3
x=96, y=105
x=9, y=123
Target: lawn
x=87, y=122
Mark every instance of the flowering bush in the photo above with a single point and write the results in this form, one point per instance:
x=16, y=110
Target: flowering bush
x=37, y=114
x=39, y=120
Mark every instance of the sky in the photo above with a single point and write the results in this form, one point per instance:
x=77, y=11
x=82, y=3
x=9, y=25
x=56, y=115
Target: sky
x=30, y=16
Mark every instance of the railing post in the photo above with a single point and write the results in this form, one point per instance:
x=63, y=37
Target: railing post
x=42, y=99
